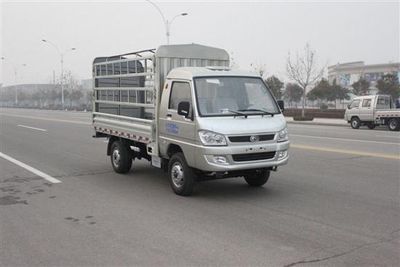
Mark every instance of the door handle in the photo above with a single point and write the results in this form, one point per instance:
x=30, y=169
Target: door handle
x=169, y=115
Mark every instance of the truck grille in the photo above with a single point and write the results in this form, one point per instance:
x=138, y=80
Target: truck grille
x=246, y=138
x=254, y=156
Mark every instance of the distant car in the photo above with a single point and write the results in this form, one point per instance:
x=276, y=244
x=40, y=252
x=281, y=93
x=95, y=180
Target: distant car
x=373, y=110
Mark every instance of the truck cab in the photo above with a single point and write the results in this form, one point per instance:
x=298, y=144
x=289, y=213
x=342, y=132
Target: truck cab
x=225, y=123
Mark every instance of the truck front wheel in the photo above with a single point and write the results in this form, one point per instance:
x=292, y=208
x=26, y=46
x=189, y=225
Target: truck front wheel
x=121, y=158
x=257, y=178
x=355, y=123
x=181, y=176
x=394, y=124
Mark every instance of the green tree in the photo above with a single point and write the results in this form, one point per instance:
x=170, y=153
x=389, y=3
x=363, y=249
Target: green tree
x=275, y=85
x=329, y=92
x=340, y=92
x=321, y=91
x=360, y=87
x=293, y=93
x=389, y=85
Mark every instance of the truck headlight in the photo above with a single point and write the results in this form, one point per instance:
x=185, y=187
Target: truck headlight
x=212, y=139
x=283, y=135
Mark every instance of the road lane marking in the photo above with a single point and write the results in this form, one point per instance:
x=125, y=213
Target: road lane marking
x=388, y=136
x=345, y=139
x=349, y=152
x=33, y=128
x=31, y=169
x=46, y=119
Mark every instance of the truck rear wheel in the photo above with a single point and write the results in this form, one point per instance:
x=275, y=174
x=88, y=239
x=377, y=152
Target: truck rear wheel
x=181, y=176
x=355, y=123
x=121, y=158
x=394, y=124
x=257, y=178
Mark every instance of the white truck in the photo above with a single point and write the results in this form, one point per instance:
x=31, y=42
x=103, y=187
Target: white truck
x=183, y=109
x=373, y=110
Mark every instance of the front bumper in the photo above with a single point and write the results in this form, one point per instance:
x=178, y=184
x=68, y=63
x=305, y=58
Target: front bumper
x=205, y=157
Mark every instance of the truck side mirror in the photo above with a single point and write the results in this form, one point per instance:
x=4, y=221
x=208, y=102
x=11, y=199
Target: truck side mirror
x=281, y=105
x=348, y=106
x=184, y=108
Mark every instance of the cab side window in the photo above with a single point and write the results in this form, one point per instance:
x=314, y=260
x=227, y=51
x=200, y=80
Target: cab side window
x=366, y=103
x=355, y=104
x=180, y=91
x=383, y=102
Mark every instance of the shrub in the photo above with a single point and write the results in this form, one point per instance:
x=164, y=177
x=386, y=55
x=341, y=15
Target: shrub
x=305, y=118
x=323, y=106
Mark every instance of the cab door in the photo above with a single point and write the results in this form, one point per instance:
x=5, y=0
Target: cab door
x=353, y=109
x=366, y=111
x=174, y=128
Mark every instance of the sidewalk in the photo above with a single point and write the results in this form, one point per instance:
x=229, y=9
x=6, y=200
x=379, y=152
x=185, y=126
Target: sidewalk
x=319, y=121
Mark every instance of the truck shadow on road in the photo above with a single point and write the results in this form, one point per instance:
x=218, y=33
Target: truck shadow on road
x=143, y=178
x=234, y=188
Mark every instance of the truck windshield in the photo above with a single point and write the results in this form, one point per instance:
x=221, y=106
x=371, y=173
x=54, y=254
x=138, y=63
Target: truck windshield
x=233, y=96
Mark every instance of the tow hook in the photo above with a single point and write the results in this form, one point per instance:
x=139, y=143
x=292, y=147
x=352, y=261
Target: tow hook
x=274, y=169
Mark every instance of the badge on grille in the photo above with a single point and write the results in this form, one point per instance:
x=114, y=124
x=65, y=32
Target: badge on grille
x=253, y=138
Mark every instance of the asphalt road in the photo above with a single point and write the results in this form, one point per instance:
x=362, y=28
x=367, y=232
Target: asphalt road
x=335, y=204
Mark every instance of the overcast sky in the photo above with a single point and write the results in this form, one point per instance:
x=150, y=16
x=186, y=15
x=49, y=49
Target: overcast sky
x=260, y=33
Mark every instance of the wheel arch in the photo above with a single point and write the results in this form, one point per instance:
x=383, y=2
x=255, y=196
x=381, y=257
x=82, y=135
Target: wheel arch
x=111, y=140
x=172, y=149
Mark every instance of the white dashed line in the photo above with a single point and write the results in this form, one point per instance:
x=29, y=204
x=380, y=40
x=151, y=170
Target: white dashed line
x=45, y=119
x=31, y=169
x=33, y=128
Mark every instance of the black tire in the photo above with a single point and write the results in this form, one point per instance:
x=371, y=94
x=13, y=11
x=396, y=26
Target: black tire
x=355, y=123
x=257, y=178
x=371, y=125
x=181, y=177
x=394, y=124
x=121, y=158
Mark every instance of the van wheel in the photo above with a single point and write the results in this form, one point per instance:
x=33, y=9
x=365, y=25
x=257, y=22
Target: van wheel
x=394, y=124
x=355, y=123
x=371, y=126
x=181, y=176
x=121, y=158
x=257, y=178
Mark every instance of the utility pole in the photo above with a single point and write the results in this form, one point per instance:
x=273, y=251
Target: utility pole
x=16, y=83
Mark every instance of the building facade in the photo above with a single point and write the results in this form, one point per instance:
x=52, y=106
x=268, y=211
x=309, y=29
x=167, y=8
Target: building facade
x=348, y=73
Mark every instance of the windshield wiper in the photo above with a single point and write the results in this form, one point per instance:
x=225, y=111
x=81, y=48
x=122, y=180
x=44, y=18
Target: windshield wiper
x=235, y=112
x=259, y=110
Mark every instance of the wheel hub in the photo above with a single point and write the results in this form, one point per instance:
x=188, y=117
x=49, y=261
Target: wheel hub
x=177, y=174
x=116, y=156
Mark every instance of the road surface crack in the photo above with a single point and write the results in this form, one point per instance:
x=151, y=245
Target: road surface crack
x=379, y=241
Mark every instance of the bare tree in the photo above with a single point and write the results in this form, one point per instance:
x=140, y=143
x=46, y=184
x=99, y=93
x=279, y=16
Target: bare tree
x=304, y=71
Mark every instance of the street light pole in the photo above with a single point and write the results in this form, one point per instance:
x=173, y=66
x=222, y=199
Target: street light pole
x=16, y=83
x=61, y=54
x=15, y=79
x=167, y=24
